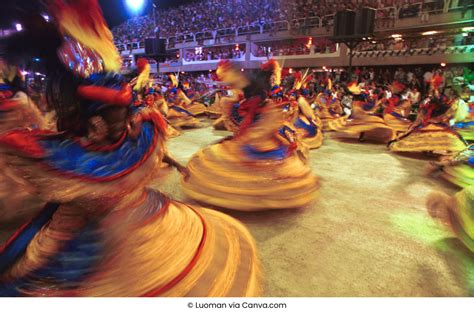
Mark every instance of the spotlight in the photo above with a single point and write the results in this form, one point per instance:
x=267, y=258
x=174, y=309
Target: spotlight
x=397, y=35
x=443, y=64
x=18, y=27
x=135, y=5
x=46, y=17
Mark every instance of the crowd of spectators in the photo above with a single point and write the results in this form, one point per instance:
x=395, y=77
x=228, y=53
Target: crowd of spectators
x=414, y=43
x=294, y=47
x=210, y=16
x=215, y=53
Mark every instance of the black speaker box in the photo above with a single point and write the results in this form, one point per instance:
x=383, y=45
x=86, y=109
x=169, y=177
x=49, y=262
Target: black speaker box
x=155, y=46
x=364, y=23
x=344, y=23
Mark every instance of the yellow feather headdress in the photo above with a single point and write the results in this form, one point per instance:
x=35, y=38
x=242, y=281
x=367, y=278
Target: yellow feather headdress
x=83, y=21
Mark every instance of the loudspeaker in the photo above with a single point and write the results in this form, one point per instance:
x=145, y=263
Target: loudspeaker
x=365, y=20
x=155, y=46
x=344, y=23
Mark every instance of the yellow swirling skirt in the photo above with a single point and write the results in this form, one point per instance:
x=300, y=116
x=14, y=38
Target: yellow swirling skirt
x=372, y=126
x=221, y=175
x=396, y=123
x=333, y=123
x=178, y=251
x=196, y=108
x=431, y=138
x=182, y=120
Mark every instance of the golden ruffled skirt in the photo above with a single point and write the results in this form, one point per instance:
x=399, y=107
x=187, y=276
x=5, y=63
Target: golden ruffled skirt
x=431, y=138
x=214, y=111
x=196, y=108
x=174, y=250
x=182, y=120
x=398, y=124
x=373, y=127
x=333, y=123
x=223, y=176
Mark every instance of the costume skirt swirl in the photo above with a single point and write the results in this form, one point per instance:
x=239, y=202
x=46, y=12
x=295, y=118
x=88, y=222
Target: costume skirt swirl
x=223, y=176
x=431, y=138
x=160, y=248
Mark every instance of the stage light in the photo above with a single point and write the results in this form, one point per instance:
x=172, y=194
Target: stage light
x=397, y=35
x=46, y=17
x=241, y=69
x=443, y=64
x=467, y=29
x=18, y=27
x=429, y=33
x=24, y=73
x=135, y=5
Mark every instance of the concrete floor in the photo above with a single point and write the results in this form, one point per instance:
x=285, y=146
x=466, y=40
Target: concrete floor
x=368, y=234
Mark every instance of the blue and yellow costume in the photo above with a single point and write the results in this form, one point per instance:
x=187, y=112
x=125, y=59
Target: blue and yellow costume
x=431, y=132
x=307, y=125
x=329, y=110
x=177, y=115
x=397, y=110
x=364, y=121
x=259, y=168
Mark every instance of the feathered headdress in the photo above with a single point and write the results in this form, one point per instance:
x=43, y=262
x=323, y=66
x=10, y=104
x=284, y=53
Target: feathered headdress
x=83, y=21
x=144, y=74
x=230, y=75
x=301, y=80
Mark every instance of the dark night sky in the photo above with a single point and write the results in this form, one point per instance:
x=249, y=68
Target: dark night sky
x=114, y=10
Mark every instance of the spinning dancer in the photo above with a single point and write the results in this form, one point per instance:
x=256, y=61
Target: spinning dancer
x=178, y=116
x=329, y=109
x=364, y=120
x=307, y=125
x=103, y=233
x=257, y=169
x=431, y=132
x=398, y=108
